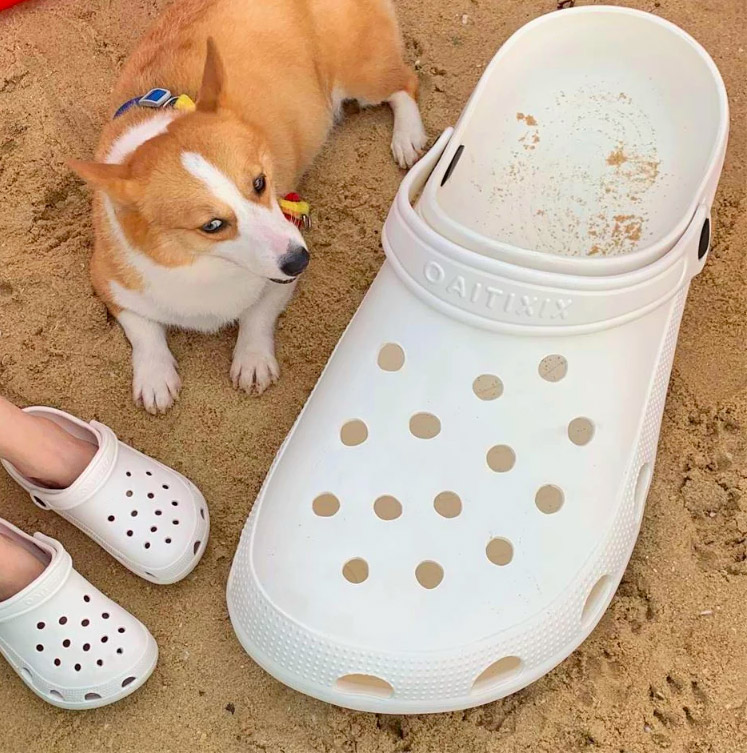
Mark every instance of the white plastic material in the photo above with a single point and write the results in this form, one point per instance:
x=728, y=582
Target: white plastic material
x=72, y=645
x=146, y=515
x=453, y=510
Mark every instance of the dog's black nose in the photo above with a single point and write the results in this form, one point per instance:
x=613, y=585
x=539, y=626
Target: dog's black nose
x=294, y=261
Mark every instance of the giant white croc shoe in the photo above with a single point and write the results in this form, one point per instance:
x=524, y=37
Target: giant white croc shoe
x=145, y=514
x=453, y=510
x=72, y=645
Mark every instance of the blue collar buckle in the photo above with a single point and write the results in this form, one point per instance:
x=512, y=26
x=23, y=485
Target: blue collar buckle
x=158, y=98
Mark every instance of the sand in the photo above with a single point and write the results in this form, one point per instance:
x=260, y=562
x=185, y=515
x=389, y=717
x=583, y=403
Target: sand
x=665, y=669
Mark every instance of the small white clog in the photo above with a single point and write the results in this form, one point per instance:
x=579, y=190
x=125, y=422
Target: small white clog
x=146, y=515
x=71, y=644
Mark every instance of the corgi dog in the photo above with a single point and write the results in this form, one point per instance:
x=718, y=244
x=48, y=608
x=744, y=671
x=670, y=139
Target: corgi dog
x=220, y=109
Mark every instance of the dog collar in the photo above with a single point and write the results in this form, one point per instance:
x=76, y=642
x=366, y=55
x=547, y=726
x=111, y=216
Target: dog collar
x=158, y=98
x=295, y=209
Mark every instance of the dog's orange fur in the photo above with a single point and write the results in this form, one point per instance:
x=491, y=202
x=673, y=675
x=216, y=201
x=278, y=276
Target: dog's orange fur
x=275, y=100
x=267, y=94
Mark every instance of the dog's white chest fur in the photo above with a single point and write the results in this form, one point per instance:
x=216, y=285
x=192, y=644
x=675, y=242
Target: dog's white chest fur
x=203, y=296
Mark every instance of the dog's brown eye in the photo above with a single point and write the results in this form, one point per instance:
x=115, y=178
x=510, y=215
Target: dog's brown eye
x=215, y=225
x=259, y=184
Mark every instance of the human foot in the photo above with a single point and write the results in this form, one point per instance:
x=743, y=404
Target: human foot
x=18, y=567
x=58, y=457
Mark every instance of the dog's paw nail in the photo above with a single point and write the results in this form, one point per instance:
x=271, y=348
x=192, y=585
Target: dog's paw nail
x=156, y=386
x=406, y=147
x=254, y=371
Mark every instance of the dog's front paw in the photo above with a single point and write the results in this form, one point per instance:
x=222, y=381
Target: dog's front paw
x=156, y=384
x=254, y=370
x=408, y=144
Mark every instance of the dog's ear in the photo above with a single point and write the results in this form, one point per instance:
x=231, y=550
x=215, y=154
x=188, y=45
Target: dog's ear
x=113, y=179
x=213, y=80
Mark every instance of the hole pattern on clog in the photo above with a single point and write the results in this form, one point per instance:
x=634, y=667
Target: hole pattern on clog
x=68, y=650
x=500, y=458
x=144, y=497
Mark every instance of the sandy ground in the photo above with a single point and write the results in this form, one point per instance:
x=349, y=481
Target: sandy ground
x=666, y=667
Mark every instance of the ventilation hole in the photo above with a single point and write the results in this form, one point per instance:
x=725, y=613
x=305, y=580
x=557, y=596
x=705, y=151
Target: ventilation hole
x=57, y=662
x=40, y=502
x=429, y=574
x=387, y=507
x=127, y=681
x=105, y=615
x=595, y=601
x=104, y=638
x=202, y=513
x=641, y=488
x=148, y=473
x=120, y=630
x=497, y=673
x=196, y=547
x=355, y=570
x=128, y=493
x=499, y=551
x=549, y=499
x=86, y=646
x=487, y=387
x=151, y=495
x=553, y=368
x=425, y=425
x=86, y=622
x=128, y=474
x=56, y=694
x=63, y=620
x=452, y=165
x=164, y=486
x=448, y=504
x=391, y=357
x=92, y=696
x=153, y=529
x=158, y=512
x=66, y=643
x=168, y=541
x=580, y=431
x=365, y=685
x=134, y=513
x=501, y=458
x=705, y=238
x=129, y=533
x=353, y=433
x=146, y=545
x=86, y=598
x=120, y=651
x=111, y=518
x=175, y=522
x=39, y=647
x=99, y=662
x=78, y=667
x=174, y=503
x=325, y=505
x=40, y=625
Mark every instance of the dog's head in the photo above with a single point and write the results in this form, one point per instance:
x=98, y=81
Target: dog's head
x=202, y=185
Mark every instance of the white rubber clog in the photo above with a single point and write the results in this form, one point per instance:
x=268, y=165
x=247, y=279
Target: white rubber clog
x=71, y=644
x=146, y=515
x=452, y=512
